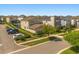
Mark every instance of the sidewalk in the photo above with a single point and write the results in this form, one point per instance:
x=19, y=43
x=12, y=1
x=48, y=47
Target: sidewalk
x=63, y=49
x=42, y=38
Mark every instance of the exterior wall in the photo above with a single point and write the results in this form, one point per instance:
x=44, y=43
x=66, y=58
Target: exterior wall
x=50, y=22
x=63, y=22
x=77, y=23
x=72, y=22
x=47, y=22
x=68, y=21
x=7, y=19
x=25, y=24
x=54, y=21
x=57, y=21
x=1, y=18
x=20, y=18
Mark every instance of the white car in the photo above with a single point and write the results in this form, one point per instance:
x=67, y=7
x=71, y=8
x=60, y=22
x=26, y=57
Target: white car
x=16, y=35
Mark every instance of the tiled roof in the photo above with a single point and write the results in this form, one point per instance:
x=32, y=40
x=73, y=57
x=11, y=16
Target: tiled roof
x=75, y=17
x=36, y=27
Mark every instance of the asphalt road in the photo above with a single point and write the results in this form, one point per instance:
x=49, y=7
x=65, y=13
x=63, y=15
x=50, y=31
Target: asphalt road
x=8, y=43
x=47, y=48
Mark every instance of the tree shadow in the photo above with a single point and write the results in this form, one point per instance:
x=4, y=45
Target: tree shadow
x=75, y=49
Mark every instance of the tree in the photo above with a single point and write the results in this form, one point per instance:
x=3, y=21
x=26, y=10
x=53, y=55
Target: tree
x=48, y=29
x=72, y=37
x=40, y=33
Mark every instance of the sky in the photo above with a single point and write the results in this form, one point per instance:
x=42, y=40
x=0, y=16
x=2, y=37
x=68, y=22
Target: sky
x=40, y=9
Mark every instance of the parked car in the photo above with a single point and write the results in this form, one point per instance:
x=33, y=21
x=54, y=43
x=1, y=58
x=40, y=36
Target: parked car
x=12, y=31
x=17, y=35
x=54, y=39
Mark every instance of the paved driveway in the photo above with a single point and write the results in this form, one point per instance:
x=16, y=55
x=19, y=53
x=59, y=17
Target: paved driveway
x=47, y=48
x=7, y=42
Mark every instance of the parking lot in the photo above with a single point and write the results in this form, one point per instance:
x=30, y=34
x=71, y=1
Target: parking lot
x=7, y=42
x=52, y=47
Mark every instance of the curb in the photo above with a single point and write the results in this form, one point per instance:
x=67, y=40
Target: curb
x=63, y=50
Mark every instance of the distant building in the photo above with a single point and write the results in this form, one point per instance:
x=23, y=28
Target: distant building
x=73, y=22
x=36, y=22
x=68, y=21
x=76, y=21
x=20, y=18
x=54, y=21
x=24, y=24
x=63, y=22
x=33, y=23
x=1, y=20
x=8, y=19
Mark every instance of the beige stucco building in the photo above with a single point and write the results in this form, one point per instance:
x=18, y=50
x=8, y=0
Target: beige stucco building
x=24, y=24
x=54, y=21
x=8, y=19
x=51, y=21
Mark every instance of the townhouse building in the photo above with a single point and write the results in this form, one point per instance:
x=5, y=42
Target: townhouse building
x=1, y=19
x=54, y=21
x=24, y=24
x=35, y=23
x=76, y=21
x=66, y=21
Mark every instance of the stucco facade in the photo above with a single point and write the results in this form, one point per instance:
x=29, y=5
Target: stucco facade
x=24, y=24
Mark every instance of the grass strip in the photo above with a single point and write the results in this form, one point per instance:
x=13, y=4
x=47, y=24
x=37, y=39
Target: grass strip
x=36, y=42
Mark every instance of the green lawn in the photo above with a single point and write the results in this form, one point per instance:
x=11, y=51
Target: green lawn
x=72, y=50
x=36, y=42
x=69, y=51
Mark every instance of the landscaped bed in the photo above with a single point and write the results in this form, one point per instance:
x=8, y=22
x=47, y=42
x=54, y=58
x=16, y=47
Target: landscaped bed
x=26, y=39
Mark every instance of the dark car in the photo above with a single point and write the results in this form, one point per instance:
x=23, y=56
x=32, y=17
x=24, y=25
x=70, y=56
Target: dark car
x=12, y=31
x=54, y=39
